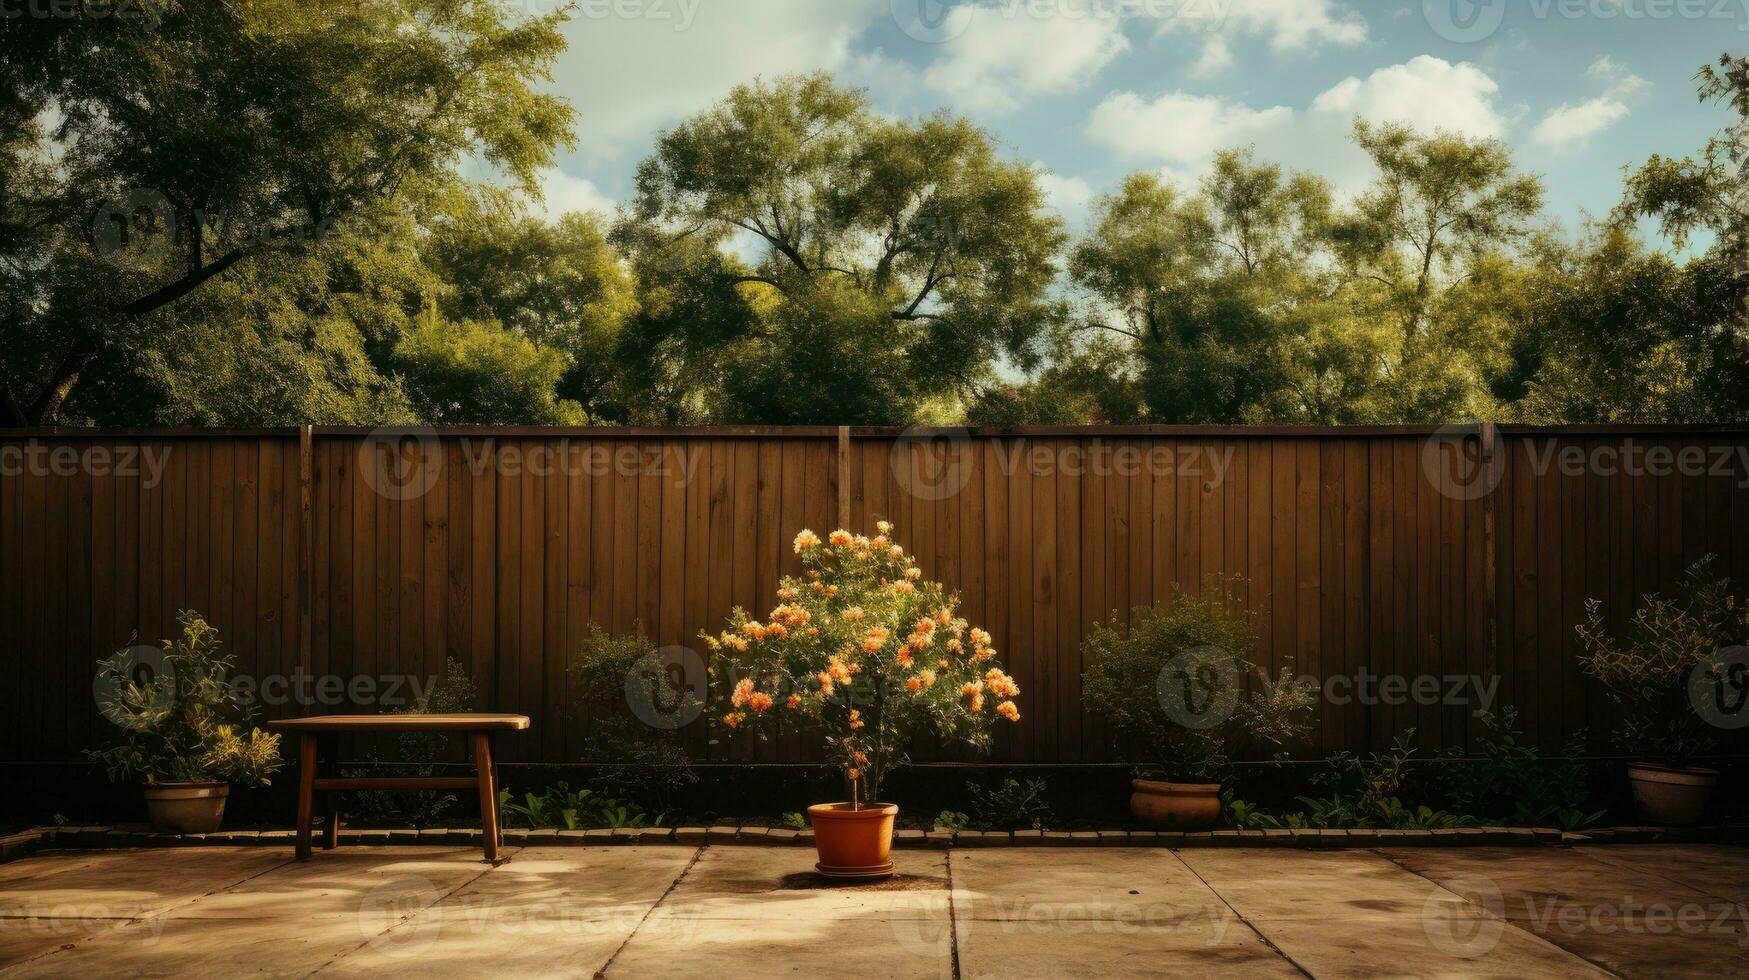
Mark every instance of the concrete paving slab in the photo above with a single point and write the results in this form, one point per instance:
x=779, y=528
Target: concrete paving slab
x=749, y=912
x=552, y=912
x=1097, y=913
x=285, y=923
x=1623, y=913
x=1720, y=870
x=55, y=898
x=1356, y=914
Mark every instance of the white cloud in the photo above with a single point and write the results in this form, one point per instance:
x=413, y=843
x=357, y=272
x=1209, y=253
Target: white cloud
x=1289, y=25
x=630, y=76
x=564, y=193
x=1180, y=128
x=1182, y=131
x=1006, y=54
x=1568, y=128
x=1426, y=92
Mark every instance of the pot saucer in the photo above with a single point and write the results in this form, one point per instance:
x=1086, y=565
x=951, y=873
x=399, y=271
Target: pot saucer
x=856, y=874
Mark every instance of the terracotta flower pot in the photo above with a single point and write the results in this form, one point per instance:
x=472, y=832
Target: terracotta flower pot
x=1175, y=806
x=1677, y=797
x=187, y=808
x=853, y=843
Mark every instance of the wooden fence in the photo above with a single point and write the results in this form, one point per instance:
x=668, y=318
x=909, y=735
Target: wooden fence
x=1464, y=555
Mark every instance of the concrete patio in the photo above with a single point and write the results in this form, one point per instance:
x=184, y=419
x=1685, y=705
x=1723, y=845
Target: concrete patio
x=741, y=911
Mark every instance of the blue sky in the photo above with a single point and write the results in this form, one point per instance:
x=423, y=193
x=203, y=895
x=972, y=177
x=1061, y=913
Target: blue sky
x=1093, y=89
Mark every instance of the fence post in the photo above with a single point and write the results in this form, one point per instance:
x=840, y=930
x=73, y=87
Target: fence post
x=306, y=541
x=1490, y=435
x=844, y=476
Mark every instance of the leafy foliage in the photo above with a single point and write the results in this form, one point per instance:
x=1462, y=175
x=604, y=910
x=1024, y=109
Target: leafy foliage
x=1514, y=784
x=419, y=754
x=634, y=760
x=1646, y=665
x=243, y=132
x=1128, y=664
x=1011, y=805
x=188, y=727
x=1361, y=791
x=562, y=806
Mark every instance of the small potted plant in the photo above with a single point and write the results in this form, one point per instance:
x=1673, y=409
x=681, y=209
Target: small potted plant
x=1172, y=680
x=184, y=732
x=1658, y=670
x=861, y=645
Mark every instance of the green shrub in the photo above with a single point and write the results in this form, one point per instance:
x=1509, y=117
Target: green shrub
x=561, y=806
x=1361, y=791
x=1013, y=805
x=952, y=820
x=635, y=760
x=1514, y=784
x=1199, y=643
x=418, y=754
x=189, y=727
x=1647, y=666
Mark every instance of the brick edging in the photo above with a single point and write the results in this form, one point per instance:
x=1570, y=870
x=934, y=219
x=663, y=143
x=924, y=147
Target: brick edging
x=109, y=837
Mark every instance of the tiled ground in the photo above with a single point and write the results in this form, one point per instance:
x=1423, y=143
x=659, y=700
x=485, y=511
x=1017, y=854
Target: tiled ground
x=729, y=911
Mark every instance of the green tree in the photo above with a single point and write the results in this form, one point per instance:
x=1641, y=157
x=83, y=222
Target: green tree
x=1211, y=290
x=559, y=284
x=1426, y=249
x=211, y=136
x=1614, y=332
x=465, y=371
x=927, y=253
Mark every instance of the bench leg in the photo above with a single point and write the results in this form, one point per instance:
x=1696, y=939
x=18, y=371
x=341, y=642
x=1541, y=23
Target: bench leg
x=484, y=771
x=306, y=792
x=330, y=746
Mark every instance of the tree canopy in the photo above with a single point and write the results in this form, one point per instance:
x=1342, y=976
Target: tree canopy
x=255, y=213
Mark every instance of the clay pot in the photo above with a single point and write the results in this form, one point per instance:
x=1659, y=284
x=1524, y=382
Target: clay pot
x=186, y=808
x=1677, y=797
x=1175, y=806
x=853, y=843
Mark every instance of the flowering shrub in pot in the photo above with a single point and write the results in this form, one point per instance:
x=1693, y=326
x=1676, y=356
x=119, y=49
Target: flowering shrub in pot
x=1675, y=673
x=183, y=731
x=1172, y=680
x=868, y=651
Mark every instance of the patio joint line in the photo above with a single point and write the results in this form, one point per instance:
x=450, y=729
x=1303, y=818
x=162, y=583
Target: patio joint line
x=953, y=928
x=1503, y=918
x=652, y=910
x=1265, y=940
x=410, y=916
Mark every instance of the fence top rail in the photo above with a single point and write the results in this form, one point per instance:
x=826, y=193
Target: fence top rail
x=920, y=433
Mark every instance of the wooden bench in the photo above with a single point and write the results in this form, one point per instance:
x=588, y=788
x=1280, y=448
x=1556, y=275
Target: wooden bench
x=319, y=746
